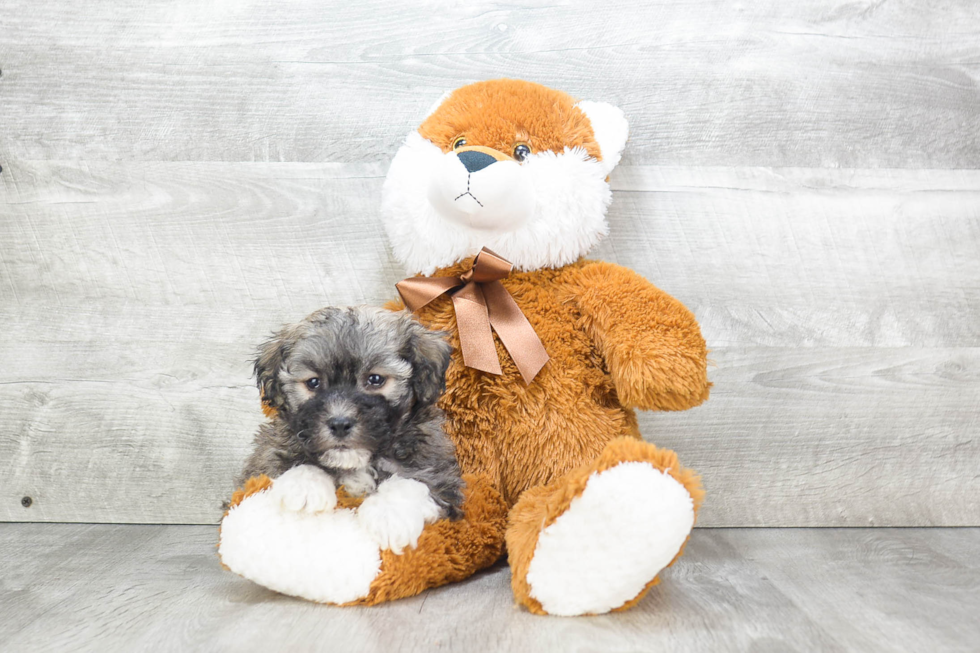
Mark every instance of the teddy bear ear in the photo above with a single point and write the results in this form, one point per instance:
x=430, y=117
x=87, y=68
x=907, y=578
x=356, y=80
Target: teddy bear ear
x=438, y=104
x=610, y=128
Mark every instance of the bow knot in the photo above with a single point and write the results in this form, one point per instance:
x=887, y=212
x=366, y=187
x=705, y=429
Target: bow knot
x=482, y=303
x=487, y=269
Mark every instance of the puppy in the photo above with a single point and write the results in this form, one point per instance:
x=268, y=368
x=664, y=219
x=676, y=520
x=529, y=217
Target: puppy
x=355, y=393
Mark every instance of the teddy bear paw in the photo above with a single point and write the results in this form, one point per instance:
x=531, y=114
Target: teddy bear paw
x=306, y=489
x=397, y=513
x=626, y=526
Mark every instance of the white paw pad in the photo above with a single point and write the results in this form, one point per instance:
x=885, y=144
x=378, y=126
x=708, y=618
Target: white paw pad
x=324, y=556
x=305, y=489
x=615, y=537
x=397, y=513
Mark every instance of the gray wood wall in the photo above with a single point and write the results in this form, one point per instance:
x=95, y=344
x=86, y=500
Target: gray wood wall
x=179, y=178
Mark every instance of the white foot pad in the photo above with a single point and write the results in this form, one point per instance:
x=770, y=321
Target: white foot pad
x=320, y=556
x=626, y=526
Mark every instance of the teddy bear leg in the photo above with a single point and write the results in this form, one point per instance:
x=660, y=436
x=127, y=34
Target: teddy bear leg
x=326, y=555
x=595, y=540
x=447, y=551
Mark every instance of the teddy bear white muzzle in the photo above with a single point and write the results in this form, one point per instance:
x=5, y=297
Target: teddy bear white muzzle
x=478, y=191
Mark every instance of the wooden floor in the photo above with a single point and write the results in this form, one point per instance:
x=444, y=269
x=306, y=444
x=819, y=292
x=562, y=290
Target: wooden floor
x=148, y=587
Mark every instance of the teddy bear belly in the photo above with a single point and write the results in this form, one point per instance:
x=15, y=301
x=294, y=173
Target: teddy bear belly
x=521, y=437
x=518, y=458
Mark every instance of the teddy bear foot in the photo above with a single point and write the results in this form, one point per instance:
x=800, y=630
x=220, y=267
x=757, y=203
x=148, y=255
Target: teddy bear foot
x=626, y=526
x=609, y=529
x=334, y=556
x=306, y=551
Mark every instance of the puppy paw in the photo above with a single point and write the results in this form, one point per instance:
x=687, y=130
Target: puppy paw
x=396, y=514
x=305, y=489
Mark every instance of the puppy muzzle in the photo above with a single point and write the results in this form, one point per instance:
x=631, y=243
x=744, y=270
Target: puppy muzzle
x=328, y=422
x=482, y=188
x=340, y=442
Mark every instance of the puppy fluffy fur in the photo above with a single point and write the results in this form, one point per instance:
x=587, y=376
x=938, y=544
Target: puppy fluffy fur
x=354, y=392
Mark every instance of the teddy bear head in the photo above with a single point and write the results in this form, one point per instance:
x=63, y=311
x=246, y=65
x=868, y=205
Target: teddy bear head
x=506, y=164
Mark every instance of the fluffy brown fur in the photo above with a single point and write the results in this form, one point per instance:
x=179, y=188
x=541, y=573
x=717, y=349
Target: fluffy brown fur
x=616, y=344
x=447, y=551
x=649, y=355
x=539, y=443
x=503, y=113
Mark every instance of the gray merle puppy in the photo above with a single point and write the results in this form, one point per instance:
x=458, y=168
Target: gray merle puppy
x=355, y=393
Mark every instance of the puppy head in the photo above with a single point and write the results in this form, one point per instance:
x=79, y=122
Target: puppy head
x=345, y=378
x=510, y=165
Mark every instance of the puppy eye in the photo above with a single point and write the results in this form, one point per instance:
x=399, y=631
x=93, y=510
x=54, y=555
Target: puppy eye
x=375, y=380
x=313, y=383
x=459, y=142
x=521, y=152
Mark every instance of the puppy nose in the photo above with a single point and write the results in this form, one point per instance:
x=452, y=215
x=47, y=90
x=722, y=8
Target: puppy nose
x=474, y=161
x=340, y=426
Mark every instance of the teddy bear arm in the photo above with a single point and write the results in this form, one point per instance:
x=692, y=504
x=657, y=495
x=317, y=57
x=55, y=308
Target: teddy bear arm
x=652, y=344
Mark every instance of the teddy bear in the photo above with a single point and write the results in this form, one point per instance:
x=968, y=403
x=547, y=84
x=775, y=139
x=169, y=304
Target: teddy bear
x=493, y=203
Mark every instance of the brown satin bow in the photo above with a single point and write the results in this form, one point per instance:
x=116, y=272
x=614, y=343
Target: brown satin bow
x=482, y=302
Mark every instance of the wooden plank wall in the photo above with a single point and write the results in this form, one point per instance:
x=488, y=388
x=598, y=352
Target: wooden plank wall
x=180, y=178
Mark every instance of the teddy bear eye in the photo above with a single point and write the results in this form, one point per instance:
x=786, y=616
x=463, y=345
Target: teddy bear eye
x=459, y=142
x=313, y=383
x=521, y=152
x=376, y=380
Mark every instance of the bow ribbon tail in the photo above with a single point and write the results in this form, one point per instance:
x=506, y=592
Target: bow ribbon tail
x=514, y=331
x=473, y=324
x=483, y=306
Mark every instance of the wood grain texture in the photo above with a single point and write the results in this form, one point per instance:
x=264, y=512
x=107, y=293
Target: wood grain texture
x=836, y=258
x=83, y=587
x=180, y=178
x=874, y=590
x=841, y=308
x=827, y=83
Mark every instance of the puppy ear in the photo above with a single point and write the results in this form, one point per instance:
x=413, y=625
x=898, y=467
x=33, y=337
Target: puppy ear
x=429, y=353
x=271, y=358
x=610, y=129
x=273, y=353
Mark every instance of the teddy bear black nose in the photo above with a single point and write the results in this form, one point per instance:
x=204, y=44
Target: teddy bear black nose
x=474, y=161
x=340, y=426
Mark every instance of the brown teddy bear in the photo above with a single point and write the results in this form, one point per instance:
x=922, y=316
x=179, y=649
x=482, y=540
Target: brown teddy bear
x=494, y=201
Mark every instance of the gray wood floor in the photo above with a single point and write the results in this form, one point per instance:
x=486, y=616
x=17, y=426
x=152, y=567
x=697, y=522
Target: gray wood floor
x=142, y=587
